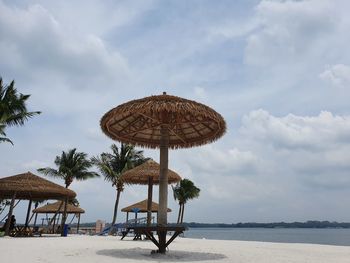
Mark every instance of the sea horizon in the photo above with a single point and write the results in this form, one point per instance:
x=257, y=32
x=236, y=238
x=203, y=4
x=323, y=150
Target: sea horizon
x=322, y=236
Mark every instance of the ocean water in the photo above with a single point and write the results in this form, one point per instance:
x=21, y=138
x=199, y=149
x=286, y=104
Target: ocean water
x=328, y=236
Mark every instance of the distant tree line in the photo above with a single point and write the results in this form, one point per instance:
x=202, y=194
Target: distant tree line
x=307, y=224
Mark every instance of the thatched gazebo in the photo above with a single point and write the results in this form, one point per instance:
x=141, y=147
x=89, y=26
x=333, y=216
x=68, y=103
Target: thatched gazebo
x=142, y=207
x=163, y=122
x=148, y=173
x=58, y=207
x=30, y=187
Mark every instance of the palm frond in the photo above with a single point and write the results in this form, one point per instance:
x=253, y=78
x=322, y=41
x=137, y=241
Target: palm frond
x=50, y=172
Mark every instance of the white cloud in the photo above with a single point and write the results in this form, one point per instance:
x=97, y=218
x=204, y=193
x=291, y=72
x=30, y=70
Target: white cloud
x=79, y=59
x=338, y=75
x=201, y=93
x=314, y=150
x=232, y=162
x=290, y=30
x=33, y=39
x=291, y=131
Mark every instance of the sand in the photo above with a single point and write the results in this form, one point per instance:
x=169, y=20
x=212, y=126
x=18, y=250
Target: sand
x=101, y=249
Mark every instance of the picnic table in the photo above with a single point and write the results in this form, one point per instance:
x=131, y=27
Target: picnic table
x=161, y=231
x=24, y=231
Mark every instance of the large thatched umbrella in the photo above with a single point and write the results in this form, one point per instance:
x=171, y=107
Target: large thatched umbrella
x=163, y=122
x=148, y=173
x=58, y=207
x=30, y=187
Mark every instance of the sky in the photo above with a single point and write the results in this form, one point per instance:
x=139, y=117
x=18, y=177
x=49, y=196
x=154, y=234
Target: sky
x=277, y=71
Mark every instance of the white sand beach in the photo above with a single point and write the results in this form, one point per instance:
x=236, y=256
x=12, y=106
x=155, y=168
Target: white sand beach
x=85, y=249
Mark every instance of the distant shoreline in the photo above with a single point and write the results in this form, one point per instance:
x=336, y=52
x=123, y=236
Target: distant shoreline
x=307, y=224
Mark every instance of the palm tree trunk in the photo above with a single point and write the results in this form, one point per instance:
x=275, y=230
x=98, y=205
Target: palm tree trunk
x=115, y=211
x=182, y=213
x=179, y=215
x=64, y=216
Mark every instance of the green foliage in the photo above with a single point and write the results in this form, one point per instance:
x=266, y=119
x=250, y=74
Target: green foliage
x=183, y=191
x=112, y=165
x=72, y=165
x=13, y=110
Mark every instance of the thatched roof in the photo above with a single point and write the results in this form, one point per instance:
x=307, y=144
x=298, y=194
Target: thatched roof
x=52, y=208
x=139, y=121
x=140, y=174
x=143, y=207
x=30, y=186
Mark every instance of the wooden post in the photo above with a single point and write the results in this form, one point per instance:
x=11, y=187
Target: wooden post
x=149, y=201
x=127, y=217
x=163, y=176
x=35, y=218
x=28, y=212
x=162, y=241
x=7, y=227
x=78, y=223
x=163, y=186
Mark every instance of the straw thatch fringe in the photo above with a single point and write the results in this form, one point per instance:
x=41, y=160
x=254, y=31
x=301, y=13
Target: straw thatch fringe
x=54, y=207
x=140, y=174
x=138, y=122
x=142, y=206
x=32, y=187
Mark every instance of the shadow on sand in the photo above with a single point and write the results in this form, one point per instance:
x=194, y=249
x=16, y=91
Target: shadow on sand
x=170, y=256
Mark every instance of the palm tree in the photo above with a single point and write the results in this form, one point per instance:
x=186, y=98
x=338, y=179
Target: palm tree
x=13, y=110
x=71, y=165
x=183, y=191
x=112, y=165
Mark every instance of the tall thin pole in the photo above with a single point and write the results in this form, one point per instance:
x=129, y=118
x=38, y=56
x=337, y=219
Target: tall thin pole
x=149, y=201
x=78, y=224
x=163, y=185
x=35, y=218
x=163, y=177
x=7, y=227
x=28, y=212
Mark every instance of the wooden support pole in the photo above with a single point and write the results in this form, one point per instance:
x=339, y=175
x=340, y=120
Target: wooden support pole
x=162, y=241
x=28, y=212
x=149, y=201
x=163, y=177
x=7, y=227
x=78, y=223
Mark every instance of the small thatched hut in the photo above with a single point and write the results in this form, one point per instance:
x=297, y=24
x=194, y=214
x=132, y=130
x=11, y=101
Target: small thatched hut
x=30, y=187
x=141, y=207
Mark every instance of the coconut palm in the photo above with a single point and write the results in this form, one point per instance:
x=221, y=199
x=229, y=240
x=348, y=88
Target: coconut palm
x=183, y=191
x=13, y=110
x=112, y=165
x=72, y=165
